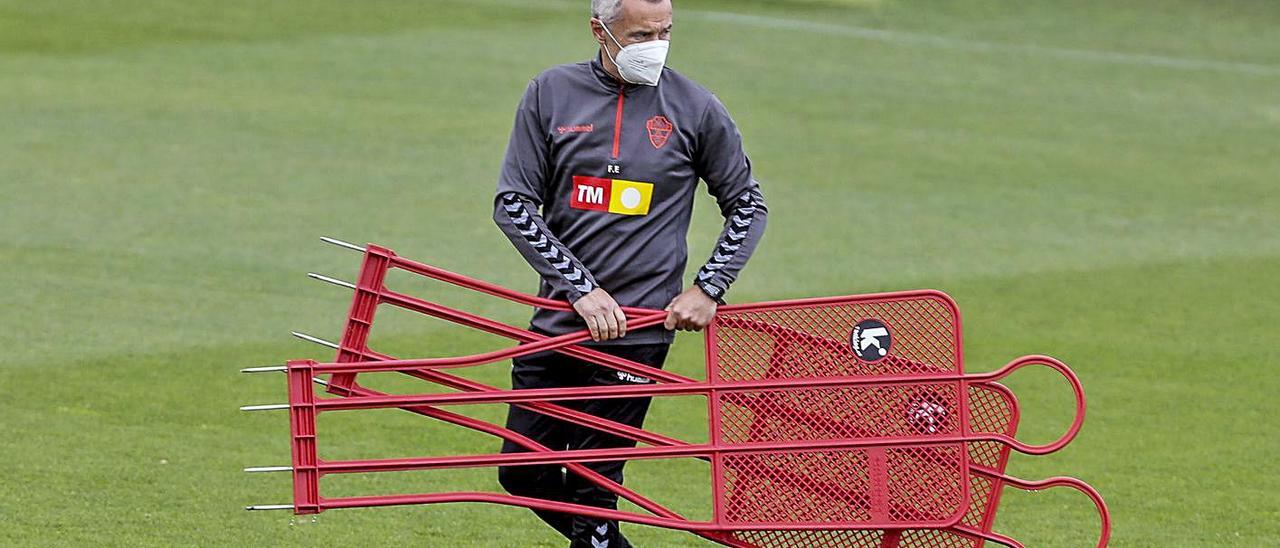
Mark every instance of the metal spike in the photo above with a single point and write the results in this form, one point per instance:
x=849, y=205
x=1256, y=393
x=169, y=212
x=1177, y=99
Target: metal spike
x=329, y=280
x=262, y=507
x=319, y=381
x=268, y=369
x=316, y=340
x=341, y=243
x=268, y=407
x=258, y=469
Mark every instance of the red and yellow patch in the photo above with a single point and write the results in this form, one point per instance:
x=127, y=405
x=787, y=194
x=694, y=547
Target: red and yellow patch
x=611, y=195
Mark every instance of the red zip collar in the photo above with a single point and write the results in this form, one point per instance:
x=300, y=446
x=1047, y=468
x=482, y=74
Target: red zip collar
x=617, y=121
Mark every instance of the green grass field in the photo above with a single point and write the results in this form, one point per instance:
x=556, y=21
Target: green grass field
x=1093, y=180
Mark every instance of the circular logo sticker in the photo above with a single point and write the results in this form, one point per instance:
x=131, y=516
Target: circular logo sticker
x=871, y=340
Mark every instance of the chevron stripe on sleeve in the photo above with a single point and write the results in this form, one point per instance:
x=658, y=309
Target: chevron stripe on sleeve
x=742, y=231
x=541, y=248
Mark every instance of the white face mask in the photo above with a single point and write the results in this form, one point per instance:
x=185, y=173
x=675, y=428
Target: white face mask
x=640, y=63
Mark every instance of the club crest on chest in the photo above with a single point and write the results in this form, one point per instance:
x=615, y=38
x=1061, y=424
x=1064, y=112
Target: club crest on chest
x=660, y=129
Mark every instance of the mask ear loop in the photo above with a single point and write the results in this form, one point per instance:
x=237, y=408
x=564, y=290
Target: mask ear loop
x=613, y=58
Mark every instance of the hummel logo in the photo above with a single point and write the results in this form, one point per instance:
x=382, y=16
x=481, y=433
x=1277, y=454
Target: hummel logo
x=628, y=377
x=588, y=128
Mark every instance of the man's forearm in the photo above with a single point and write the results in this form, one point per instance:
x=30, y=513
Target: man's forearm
x=743, y=228
x=519, y=220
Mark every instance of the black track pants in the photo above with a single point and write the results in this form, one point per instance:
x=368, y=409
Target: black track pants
x=551, y=482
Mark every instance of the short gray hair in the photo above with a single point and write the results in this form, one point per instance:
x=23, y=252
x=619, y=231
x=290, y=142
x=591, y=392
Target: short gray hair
x=607, y=11
x=610, y=11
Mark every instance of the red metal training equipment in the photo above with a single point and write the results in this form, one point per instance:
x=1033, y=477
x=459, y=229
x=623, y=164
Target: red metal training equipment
x=844, y=421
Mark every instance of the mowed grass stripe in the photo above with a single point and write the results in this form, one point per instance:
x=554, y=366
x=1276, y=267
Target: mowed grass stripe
x=163, y=191
x=935, y=41
x=1096, y=220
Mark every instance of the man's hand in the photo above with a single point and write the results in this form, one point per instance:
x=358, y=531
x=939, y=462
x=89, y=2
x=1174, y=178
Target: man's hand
x=603, y=315
x=692, y=310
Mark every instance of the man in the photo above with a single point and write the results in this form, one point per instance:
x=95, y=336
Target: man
x=596, y=192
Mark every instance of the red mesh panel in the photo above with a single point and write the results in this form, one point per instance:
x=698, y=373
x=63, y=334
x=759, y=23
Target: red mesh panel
x=874, y=538
x=839, y=413
x=932, y=538
x=817, y=487
x=980, y=490
x=814, y=340
x=864, y=486
x=817, y=539
x=991, y=410
x=926, y=483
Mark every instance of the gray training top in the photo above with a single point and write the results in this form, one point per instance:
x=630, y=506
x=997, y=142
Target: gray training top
x=614, y=168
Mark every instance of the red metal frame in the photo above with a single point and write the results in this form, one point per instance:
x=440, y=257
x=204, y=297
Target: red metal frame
x=998, y=412
x=355, y=357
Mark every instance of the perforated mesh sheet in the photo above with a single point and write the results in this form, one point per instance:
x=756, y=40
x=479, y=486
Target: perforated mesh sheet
x=822, y=539
x=992, y=410
x=813, y=341
x=921, y=484
x=810, y=414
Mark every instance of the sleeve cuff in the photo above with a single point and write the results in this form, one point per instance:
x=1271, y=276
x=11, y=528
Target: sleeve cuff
x=711, y=290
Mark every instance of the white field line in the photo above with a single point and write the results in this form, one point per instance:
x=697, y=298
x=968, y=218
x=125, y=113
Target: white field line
x=941, y=42
x=935, y=41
